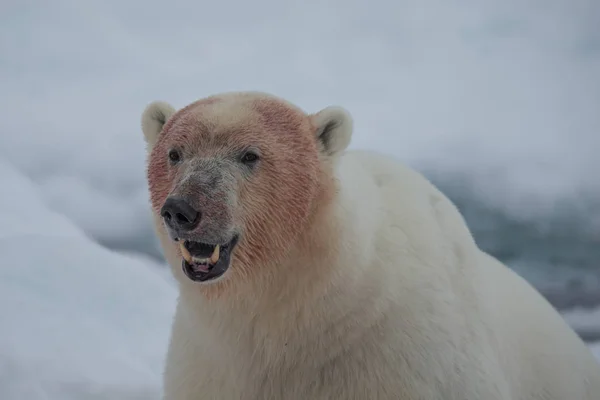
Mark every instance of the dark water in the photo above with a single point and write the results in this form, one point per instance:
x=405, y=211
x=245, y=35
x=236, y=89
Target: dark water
x=558, y=253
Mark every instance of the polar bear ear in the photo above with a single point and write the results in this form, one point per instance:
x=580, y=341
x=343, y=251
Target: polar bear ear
x=154, y=117
x=333, y=129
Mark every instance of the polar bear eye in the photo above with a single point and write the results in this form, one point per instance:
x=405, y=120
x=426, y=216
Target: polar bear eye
x=174, y=156
x=249, y=158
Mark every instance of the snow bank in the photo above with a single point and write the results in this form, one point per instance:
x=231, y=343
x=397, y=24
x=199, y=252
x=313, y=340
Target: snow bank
x=78, y=321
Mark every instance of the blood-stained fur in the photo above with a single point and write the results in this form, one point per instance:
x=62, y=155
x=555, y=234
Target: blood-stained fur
x=354, y=277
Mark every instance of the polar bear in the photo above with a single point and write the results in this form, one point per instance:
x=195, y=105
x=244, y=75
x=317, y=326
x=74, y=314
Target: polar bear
x=309, y=271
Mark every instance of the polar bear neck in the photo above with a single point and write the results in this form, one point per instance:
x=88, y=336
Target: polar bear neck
x=331, y=264
x=338, y=237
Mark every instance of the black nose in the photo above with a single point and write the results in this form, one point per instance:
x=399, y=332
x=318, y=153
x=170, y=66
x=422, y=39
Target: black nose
x=179, y=215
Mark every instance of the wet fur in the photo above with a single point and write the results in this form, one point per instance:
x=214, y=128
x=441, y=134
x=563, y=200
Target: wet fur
x=357, y=280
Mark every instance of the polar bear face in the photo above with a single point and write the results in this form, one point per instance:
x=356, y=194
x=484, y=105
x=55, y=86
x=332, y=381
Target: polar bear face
x=234, y=178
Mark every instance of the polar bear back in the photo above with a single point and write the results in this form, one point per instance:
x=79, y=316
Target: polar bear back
x=540, y=356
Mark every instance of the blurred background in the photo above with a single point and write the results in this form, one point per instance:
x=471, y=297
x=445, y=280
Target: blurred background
x=497, y=102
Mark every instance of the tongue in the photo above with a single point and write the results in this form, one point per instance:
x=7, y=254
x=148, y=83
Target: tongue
x=200, y=267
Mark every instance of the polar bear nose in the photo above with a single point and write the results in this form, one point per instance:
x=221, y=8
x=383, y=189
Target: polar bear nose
x=179, y=215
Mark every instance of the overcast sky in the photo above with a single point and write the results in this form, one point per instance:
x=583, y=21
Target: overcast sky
x=507, y=91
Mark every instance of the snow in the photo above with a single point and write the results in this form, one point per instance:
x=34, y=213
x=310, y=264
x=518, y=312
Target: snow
x=78, y=321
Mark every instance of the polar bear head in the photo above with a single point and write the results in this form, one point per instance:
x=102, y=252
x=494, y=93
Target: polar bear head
x=235, y=179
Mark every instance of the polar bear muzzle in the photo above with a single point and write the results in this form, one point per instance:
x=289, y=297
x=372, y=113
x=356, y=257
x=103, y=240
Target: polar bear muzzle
x=203, y=262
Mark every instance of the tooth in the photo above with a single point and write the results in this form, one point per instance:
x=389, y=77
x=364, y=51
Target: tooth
x=185, y=253
x=215, y=255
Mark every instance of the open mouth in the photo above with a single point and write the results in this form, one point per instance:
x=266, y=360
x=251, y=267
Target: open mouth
x=203, y=262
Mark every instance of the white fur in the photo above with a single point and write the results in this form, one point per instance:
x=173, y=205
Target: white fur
x=403, y=306
x=334, y=129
